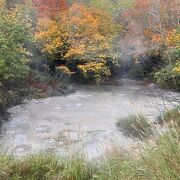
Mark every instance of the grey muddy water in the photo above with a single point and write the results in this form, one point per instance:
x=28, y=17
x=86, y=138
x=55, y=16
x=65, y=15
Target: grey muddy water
x=85, y=120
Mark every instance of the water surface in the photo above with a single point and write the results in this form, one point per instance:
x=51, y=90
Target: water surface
x=83, y=120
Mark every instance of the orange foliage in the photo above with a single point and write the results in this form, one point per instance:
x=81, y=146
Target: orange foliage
x=79, y=33
x=173, y=39
x=156, y=18
x=87, y=31
x=49, y=8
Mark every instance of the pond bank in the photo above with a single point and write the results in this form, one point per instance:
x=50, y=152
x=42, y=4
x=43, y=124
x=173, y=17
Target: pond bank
x=13, y=97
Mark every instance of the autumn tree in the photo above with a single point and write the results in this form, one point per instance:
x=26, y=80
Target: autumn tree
x=157, y=18
x=49, y=8
x=81, y=39
x=157, y=23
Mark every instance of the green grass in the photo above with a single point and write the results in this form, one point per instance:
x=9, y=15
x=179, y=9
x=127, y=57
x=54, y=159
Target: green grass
x=136, y=126
x=156, y=159
x=44, y=166
x=172, y=115
x=159, y=159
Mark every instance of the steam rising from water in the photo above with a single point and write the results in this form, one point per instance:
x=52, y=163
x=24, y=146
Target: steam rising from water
x=84, y=120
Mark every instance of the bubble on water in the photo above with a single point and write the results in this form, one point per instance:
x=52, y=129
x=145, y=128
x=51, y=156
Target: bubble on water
x=22, y=148
x=39, y=102
x=20, y=138
x=50, y=140
x=121, y=94
x=42, y=129
x=68, y=105
x=89, y=95
x=134, y=88
x=58, y=107
x=46, y=102
x=79, y=104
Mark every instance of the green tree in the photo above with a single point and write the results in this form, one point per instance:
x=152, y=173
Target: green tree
x=15, y=30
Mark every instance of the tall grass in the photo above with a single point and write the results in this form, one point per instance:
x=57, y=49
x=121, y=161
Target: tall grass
x=156, y=159
x=160, y=159
x=44, y=166
x=172, y=115
x=136, y=126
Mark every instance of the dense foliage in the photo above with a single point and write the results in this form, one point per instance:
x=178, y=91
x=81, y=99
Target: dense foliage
x=15, y=37
x=169, y=75
x=159, y=28
x=14, y=33
x=115, y=8
x=87, y=41
x=79, y=40
x=82, y=41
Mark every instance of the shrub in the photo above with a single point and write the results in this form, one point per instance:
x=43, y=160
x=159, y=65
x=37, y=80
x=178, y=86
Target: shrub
x=169, y=75
x=136, y=126
x=171, y=115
